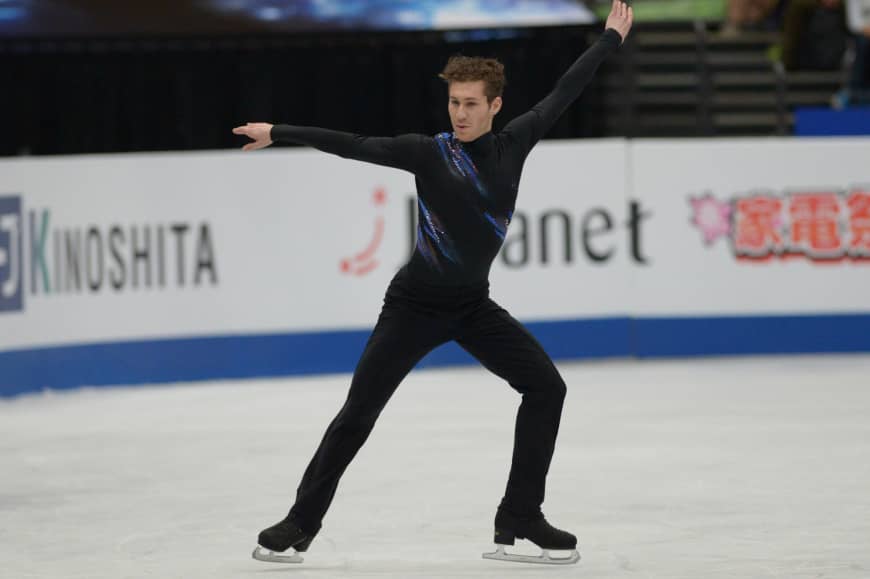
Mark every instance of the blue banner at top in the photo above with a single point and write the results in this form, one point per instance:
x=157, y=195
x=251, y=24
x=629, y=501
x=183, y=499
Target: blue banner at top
x=30, y=18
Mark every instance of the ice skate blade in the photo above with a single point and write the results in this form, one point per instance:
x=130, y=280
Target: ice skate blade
x=261, y=554
x=543, y=559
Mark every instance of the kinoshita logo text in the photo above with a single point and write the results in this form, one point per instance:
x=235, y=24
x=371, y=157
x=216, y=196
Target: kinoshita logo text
x=41, y=255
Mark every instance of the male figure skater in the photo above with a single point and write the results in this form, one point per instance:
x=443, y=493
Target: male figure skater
x=466, y=189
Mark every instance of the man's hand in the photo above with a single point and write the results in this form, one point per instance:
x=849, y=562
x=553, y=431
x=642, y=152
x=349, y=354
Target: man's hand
x=259, y=132
x=620, y=18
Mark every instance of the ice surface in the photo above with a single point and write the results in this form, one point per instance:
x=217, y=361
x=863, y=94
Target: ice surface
x=727, y=468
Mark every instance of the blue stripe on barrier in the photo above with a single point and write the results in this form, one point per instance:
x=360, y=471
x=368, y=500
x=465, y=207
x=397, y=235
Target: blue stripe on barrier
x=739, y=335
x=247, y=356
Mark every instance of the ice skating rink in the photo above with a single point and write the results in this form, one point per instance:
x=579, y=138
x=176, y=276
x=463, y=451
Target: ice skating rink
x=745, y=468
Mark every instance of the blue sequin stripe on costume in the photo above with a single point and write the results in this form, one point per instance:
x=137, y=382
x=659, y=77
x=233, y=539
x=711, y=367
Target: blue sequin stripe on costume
x=473, y=172
x=455, y=155
x=424, y=246
x=500, y=225
x=431, y=227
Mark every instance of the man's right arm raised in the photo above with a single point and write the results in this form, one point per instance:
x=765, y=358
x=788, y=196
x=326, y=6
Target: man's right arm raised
x=403, y=152
x=527, y=129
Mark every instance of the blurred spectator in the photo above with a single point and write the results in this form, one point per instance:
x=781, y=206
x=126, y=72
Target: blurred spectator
x=814, y=35
x=858, y=14
x=857, y=91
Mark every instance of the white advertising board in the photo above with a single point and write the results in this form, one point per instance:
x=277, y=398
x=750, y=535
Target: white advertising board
x=754, y=226
x=167, y=245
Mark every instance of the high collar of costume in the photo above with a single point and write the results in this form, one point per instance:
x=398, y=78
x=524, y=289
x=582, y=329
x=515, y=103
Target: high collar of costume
x=480, y=146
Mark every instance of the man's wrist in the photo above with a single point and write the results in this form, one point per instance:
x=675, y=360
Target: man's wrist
x=611, y=34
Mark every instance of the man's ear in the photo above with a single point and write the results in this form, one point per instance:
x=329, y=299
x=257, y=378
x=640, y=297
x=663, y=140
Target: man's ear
x=495, y=105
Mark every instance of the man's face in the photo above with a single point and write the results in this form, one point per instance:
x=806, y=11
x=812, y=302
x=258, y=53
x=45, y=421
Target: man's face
x=470, y=113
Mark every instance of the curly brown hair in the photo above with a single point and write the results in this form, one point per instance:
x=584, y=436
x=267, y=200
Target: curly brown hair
x=473, y=68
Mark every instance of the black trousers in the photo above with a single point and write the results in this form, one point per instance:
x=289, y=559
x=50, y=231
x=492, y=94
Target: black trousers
x=414, y=320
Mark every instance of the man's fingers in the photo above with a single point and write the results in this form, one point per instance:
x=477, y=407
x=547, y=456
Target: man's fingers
x=246, y=129
x=255, y=145
x=624, y=12
x=257, y=132
x=620, y=9
x=620, y=18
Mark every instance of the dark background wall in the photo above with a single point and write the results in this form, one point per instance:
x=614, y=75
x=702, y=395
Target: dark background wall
x=90, y=96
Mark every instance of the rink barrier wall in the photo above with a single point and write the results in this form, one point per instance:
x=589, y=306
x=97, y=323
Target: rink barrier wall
x=257, y=356
x=165, y=267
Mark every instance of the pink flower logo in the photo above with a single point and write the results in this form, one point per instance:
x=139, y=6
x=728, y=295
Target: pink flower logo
x=712, y=217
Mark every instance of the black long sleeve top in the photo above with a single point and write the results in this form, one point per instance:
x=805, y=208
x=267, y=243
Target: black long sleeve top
x=466, y=191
